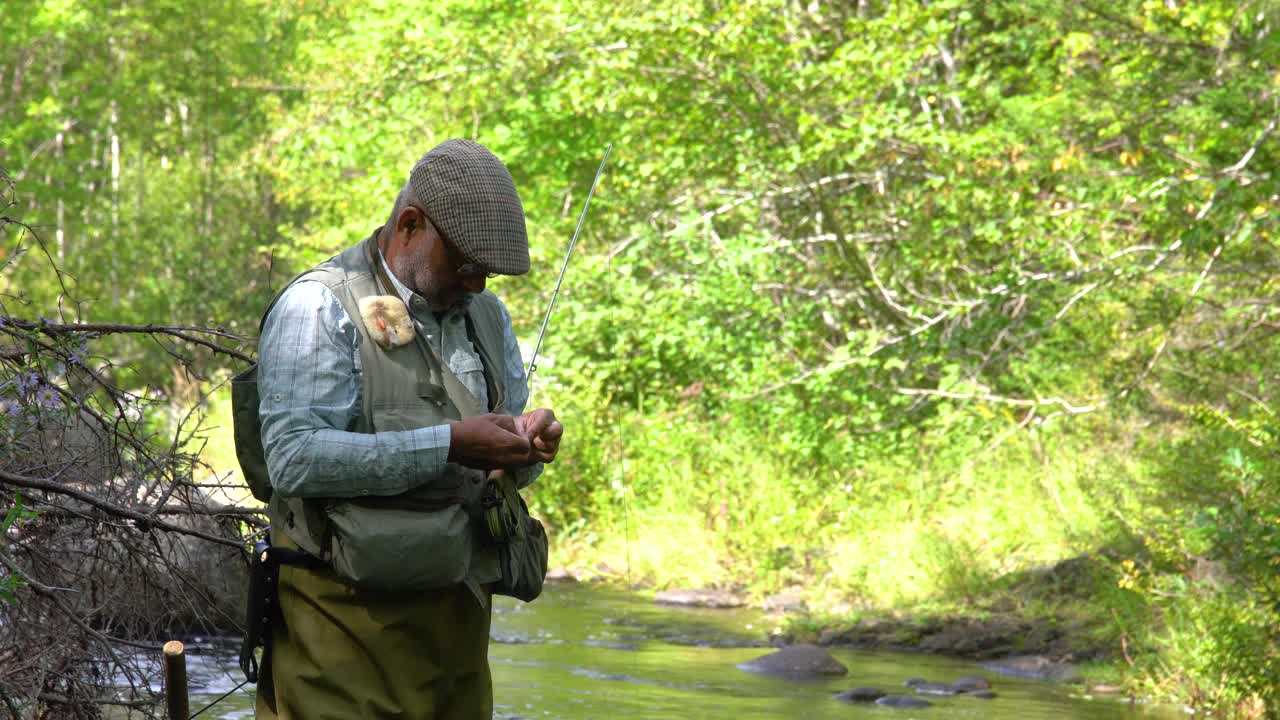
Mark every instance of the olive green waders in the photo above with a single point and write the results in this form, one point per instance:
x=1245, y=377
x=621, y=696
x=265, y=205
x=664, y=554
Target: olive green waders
x=345, y=653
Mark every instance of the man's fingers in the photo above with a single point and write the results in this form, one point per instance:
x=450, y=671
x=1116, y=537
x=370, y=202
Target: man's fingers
x=506, y=422
x=487, y=442
x=493, y=441
x=537, y=421
x=546, y=442
x=553, y=431
x=516, y=447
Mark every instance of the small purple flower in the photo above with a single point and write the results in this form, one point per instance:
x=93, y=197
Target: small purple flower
x=10, y=407
x=48, y=398
x=27, y=381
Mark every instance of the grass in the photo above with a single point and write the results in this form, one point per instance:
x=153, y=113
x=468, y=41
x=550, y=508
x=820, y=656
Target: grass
x=687, y=509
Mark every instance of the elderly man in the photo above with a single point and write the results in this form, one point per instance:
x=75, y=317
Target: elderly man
x=392, y=388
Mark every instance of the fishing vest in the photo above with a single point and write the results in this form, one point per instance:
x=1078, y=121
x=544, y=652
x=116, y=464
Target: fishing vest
x=431, y=536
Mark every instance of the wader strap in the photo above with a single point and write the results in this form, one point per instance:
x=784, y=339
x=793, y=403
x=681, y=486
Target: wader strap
x=496, y=397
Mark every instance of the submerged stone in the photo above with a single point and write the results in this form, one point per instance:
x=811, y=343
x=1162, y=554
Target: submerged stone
x=983, y=694
x=786, y=602
x=861, y=694
x=796, y=660
x=971, y=683
x=561, y=574
x=699, y=598
x=903, y=701
x=1037, y=667
x=934, y=688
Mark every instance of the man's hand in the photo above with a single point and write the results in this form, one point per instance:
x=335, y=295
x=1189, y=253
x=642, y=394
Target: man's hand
x=543, y=431
x=488, y=442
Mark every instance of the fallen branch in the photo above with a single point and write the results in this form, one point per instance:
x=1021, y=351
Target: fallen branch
x=144, y=522
x=182, y=332
x=1066, y=405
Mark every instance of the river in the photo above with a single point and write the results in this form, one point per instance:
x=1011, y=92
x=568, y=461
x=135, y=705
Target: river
x=582, y=652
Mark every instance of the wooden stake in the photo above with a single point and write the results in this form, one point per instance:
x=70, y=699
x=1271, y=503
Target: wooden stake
x=175, y=681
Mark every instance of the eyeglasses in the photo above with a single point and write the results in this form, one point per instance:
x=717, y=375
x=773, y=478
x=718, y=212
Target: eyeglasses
x=469, y=271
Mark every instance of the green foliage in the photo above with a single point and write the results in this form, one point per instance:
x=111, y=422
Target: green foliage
x=14, y=518
x=894, y=297
x=132, y=131
x=1208, y=519
x=1218, y=651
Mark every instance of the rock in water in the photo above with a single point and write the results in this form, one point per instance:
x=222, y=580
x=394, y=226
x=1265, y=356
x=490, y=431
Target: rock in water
x=796, y=660
x=561, y=575
x=984, y=694
x=861, y=694
x=786, y=602
x=903, y=701
x=934, y=688
x=699, y=598
x=971, y=683
x=1037, y=667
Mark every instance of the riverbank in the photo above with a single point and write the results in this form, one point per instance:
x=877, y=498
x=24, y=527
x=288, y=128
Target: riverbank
x=1042, y=624
x=588, y=650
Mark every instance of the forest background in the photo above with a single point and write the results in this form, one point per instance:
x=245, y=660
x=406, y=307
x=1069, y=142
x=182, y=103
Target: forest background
x=893, y=301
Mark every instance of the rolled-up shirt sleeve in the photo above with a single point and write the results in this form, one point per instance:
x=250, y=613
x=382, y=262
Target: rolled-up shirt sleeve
x=517, y=389
x=309, y=382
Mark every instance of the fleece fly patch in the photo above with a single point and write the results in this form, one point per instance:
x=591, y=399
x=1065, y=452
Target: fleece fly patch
x=387, y=320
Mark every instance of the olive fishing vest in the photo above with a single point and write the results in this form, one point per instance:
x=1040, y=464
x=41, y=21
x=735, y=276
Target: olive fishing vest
x=430, y=536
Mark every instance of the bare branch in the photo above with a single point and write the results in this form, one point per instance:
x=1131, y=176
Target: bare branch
x=1066, y=405
x=182, y=332
x=143, y=521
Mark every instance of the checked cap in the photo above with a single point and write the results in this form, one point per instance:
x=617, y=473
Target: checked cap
x=469, y=196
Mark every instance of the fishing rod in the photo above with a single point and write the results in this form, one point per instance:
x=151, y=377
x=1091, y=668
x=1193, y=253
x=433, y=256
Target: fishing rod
x=533, y=359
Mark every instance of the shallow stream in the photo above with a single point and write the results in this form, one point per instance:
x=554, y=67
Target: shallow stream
x=584, y=652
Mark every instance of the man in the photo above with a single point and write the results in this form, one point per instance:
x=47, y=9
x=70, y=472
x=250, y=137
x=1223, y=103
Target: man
x=369, y=431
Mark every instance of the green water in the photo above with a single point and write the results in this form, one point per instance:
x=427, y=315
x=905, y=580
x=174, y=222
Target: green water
x=582, y=652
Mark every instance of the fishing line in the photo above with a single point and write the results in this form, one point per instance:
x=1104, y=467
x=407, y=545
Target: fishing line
x=546, y=320
x=215, y=702
x=619, y=437
x=620, y=444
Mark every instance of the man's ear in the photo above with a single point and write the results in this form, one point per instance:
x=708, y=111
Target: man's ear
x=408, y=222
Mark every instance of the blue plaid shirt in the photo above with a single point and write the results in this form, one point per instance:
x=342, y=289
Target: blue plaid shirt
x=309, y=378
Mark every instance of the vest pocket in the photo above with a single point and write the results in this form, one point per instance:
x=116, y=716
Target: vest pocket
x=400, y=548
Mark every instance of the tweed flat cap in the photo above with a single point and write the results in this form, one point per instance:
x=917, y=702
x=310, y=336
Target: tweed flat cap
x=469, y=196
